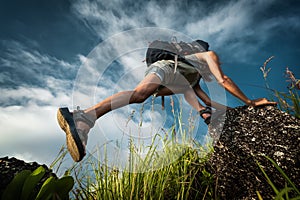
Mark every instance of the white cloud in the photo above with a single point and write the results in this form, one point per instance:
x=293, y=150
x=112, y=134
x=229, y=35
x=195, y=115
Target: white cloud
x=227, y=25
x=34, y=85
x=16, y=53
x=24, y=66
x=30, y=133
x=102, y=15
x=230, y=26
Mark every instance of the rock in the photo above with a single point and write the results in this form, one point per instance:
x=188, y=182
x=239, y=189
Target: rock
x=249, y=134
x=9, y=167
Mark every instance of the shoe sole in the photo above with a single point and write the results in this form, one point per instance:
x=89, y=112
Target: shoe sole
x=73, y=141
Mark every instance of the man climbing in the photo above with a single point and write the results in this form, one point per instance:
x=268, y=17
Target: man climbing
x=171, y=75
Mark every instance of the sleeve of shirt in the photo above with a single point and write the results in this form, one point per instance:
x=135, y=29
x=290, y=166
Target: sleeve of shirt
x=201, y=66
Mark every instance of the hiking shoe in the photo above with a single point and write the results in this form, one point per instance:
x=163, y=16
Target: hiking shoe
x=76, y=138
x=207, y=110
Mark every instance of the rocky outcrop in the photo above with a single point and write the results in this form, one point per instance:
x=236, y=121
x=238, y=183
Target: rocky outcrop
x=248, y=135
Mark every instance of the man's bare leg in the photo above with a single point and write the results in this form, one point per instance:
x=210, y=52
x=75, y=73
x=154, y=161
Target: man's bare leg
x=76, y=125
x=189, y=95
x=144, y=89
x=207, y=101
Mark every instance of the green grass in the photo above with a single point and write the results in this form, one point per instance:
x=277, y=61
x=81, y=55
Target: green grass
x=183, y=179
x=177, y=173
x=288, y=101
x=283, y=193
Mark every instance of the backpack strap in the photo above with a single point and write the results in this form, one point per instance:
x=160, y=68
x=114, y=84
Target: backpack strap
x=178, y=50
x=178, y=47
x=176, y=63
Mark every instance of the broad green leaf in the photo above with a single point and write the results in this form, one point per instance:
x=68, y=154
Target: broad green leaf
x=63, y=186
x=14, y=188
x=31, y=182
x=47, y=189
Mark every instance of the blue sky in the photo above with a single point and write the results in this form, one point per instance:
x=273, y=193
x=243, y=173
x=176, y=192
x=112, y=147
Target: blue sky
x=47, y=46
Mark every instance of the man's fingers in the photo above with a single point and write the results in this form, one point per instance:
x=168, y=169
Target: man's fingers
x=263, y=101
x=269, y=103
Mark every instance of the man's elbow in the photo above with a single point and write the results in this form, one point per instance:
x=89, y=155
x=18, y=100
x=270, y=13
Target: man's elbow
x=223, y=80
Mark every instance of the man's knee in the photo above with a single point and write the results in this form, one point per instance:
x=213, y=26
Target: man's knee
x=189, y=94
x=223, y=80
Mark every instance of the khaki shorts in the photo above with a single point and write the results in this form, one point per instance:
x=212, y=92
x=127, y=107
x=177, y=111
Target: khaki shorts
x=164, y=69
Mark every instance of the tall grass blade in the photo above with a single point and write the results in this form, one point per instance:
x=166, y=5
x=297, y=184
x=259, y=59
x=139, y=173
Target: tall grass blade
x=268, y=179
x=283, y=174
x=283, y=192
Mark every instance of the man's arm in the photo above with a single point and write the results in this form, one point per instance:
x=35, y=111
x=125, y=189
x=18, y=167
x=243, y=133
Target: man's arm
x=212, y=60
x=205, y=98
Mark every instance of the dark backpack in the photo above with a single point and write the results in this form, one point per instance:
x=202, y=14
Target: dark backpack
x=163, y=50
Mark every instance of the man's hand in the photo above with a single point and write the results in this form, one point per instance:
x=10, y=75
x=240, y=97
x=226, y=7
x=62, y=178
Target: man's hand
x=262, y=102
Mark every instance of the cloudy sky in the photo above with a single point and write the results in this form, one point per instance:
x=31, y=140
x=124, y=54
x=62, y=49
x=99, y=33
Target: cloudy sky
x=68, y=53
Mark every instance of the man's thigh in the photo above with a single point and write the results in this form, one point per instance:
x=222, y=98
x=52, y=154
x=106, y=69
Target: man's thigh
x=172, y=89
x=148, y=85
